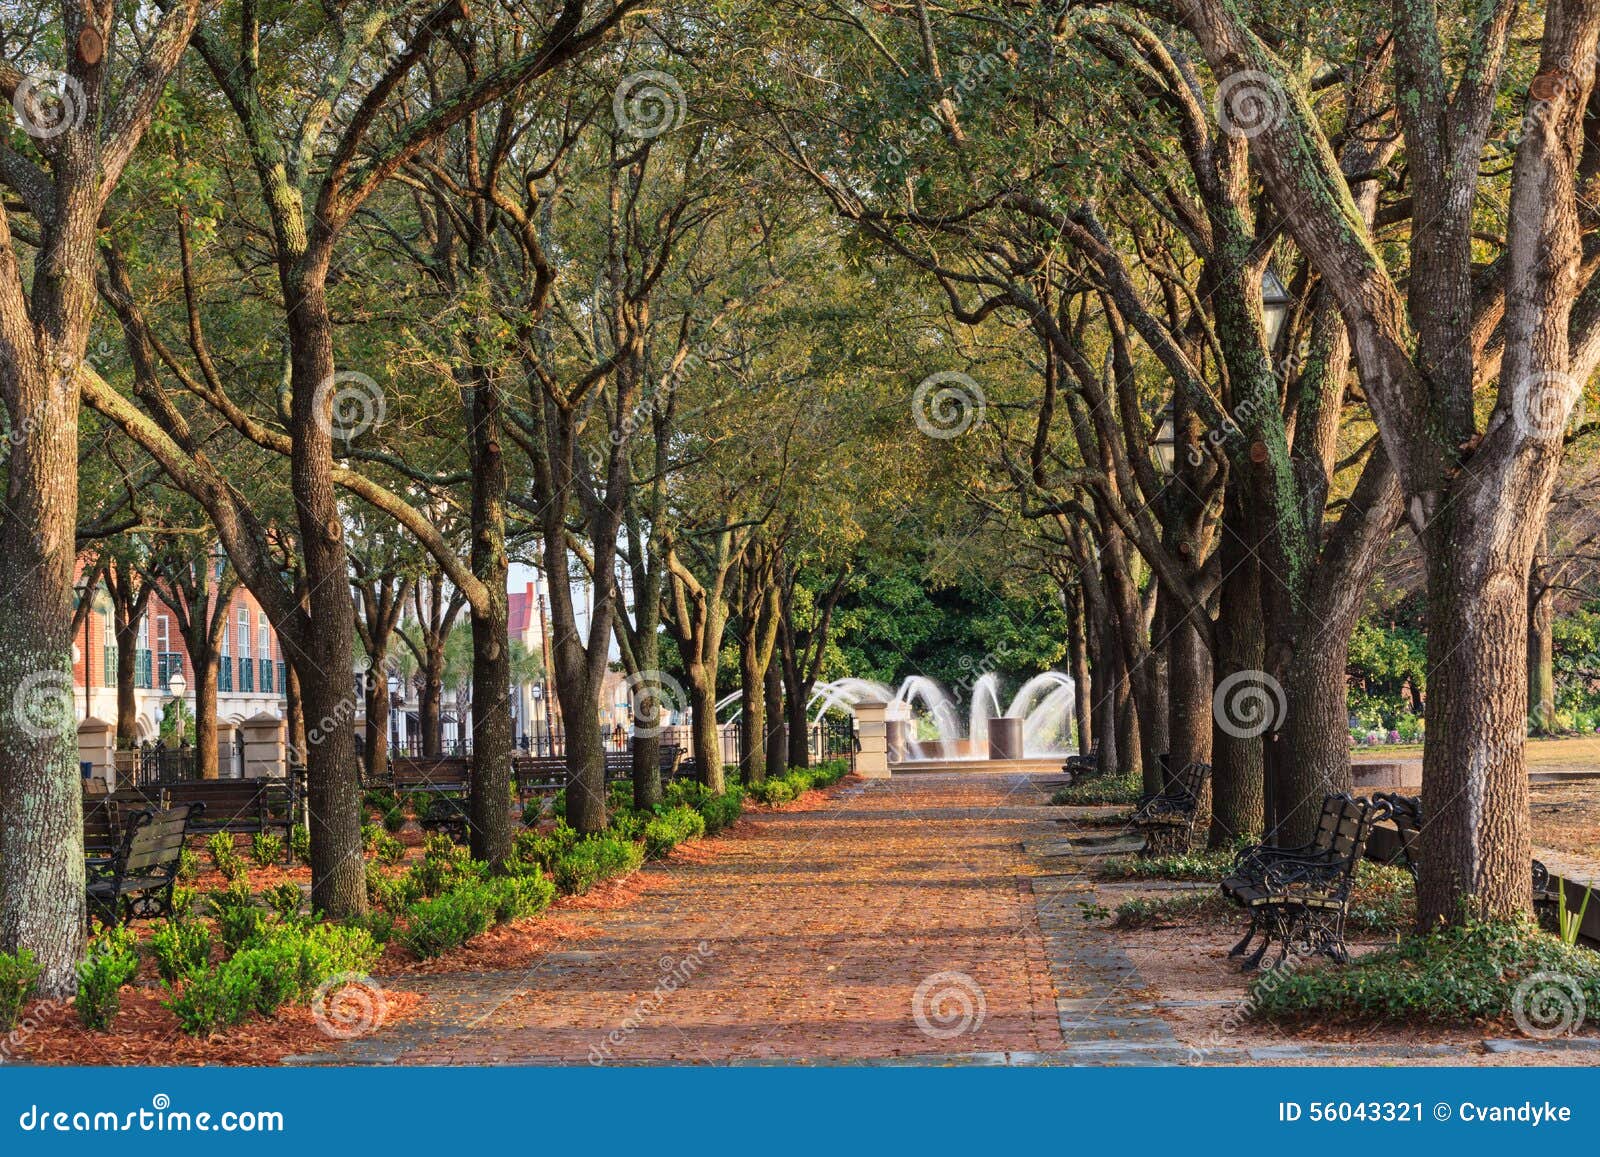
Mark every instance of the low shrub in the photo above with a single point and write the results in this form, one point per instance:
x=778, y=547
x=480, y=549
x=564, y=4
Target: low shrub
x=237, y=916
x=444, y=865
x=180, y=947
x=1476, y=971
x=284, y=899
x=448, y=920
x=111, y=962
x=182, y=903
x=1204, y=864
x=300, y=843
x=522, y=894
x=1166, y=910
x=670, y=828
x=392, y=893
x=772, y=791
x=388, y=850
x=224, y=858
x=266, y=849
x=18, y=973
x=212, y=999
x=188, y=866
x=369, y=836
x=1100, y=789
x=593, y=859
x=532, y=812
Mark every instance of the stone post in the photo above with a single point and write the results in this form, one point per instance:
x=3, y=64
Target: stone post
x=97, y=746
x=264, y=742
x=895, y=732
x=225, y=742
x=872, y=760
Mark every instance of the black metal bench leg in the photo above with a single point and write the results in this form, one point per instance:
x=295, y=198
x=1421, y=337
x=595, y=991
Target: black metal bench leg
x=1249, y=934
x=1253, y=961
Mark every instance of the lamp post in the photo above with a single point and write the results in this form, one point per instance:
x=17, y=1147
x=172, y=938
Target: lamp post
x=1275, y=304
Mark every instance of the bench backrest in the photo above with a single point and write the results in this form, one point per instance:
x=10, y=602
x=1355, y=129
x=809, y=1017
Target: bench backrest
x=231, y=799
x=154, y=840
x=1340, y=827
x=1185, y=787
x=100, y=835
x=450, y=771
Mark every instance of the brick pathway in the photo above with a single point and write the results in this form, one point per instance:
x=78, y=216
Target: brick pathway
x=807, y=935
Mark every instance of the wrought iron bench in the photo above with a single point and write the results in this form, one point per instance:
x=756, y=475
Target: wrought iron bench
x=137, y=881
x=1167, y=818
x=1405, y=812
x=1077, y=765
x=1301, y=896
x=258, y=804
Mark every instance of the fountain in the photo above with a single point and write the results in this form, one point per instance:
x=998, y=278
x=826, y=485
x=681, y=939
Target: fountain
x=922, y=721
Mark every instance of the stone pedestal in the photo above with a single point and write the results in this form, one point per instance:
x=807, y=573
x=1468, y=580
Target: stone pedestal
x=1387, y=775
x=264, y=741
x=1005, y=738
x=225, y=747
x=872, y=733
x=97, y=746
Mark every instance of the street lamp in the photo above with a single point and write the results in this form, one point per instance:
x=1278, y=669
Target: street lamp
x=177, y=685
x=1164, y=442
x=1275, y=303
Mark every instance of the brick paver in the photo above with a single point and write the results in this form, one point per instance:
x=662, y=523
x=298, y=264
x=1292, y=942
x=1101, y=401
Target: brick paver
x=806, y=935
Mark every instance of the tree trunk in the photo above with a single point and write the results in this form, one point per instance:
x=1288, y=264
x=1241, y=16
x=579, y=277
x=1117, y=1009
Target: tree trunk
x=1082, y=688
x=586, y=760
x=706, y=735
x=1541, y=657
x=1190, y=694
x=794, y=707
x=753, y=710
x=338, y=882
x=777, y=739
x=127, y=698
x=378, y=717
x=1238, y=773
x=492, y=737
x=294, y=709
x=1477, y=841
x=429, y=700
x=205, y=715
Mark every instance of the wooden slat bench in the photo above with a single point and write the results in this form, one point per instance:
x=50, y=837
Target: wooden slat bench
x=257, y=804
x=138, y=879
x=1167, y=819
x=1405, y=813
x=1303, y=894
x=534, y=774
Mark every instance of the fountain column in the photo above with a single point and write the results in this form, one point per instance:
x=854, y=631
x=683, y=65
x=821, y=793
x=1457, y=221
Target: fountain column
x=1005, y=738
x=895, y=733
x=872, y=733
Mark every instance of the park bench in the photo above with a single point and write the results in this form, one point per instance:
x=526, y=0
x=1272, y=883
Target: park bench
x=1405, y=813
x=1167, y=818
x=541, y=773
x=1302, y=894
x=101, y=834
x=244, y=806
x=1077, y=765
x=137, y=881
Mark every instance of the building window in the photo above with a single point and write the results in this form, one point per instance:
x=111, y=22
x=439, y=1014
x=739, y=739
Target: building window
x=108, y=672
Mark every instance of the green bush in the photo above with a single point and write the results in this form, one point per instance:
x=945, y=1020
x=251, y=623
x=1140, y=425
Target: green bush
x=1100, y=789
x=224, y=858
x=1201, y=864
x=300, y=843
x=284, y=899
x=449, y=920
x=266, y=849
x=17, y=976
x=593, y=859
x=772, y=791
x=525, y=893
x=388, y=850
x=281, y=964
x=1455, y=975
x=443, y=866
x=369, y=836
x=237, y=916
x=182, y=903
x=669, y=829
x=392, y=893
x=112, y=961
x=188, y=865
x=532, y=812
x=180, y=947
